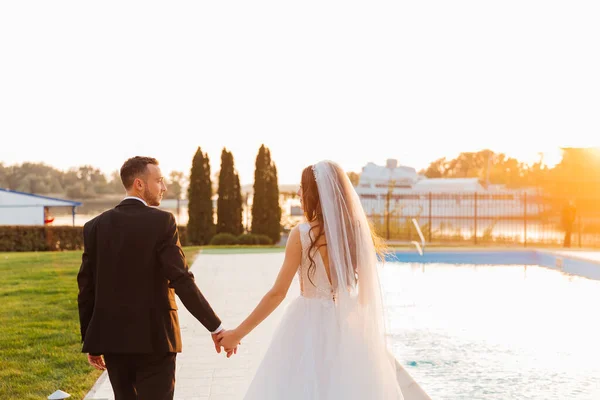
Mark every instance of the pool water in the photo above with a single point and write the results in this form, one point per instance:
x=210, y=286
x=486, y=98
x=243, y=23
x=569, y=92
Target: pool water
x=494, y=332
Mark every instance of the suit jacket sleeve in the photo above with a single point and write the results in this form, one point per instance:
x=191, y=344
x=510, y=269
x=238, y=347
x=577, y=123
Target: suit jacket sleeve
x=175, y=269
x=86, y=280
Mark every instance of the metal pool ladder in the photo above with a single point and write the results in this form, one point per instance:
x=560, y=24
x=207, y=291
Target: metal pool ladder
x=419, y=246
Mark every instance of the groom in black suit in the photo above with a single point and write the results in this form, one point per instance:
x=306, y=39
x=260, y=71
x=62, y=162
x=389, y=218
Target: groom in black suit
x=132, y=267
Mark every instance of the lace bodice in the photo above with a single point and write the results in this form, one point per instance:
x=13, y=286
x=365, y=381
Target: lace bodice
x=318, y=286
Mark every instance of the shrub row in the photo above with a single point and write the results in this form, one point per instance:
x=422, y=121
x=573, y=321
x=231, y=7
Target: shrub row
x=41, y=238
x=56, y=238
x=225, y=239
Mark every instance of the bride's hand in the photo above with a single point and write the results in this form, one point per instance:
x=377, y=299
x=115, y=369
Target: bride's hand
x=229, y=340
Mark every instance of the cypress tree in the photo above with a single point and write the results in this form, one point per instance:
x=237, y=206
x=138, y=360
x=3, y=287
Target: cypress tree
x=229, y=203
x=259, y=204
x=200, y=228
x=266, y=211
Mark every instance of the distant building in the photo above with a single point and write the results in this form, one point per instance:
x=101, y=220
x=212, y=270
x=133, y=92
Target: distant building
x=379, y=180
x=19, y=208
x=405, y=192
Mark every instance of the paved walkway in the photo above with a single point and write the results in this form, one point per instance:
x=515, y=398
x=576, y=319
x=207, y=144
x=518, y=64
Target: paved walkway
x=233, y=284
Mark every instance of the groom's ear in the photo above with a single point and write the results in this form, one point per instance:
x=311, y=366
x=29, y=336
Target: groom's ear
x=138, y=184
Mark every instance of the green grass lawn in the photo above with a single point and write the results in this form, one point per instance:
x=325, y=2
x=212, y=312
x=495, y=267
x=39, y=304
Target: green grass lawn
x=40, y=349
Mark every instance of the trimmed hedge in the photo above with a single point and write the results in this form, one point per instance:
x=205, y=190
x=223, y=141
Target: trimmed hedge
x=57, y=238
x=264, y=239
x=50, y=238
x=41, y=238
x=249, y=239
x=228, y=239
x=223, y=239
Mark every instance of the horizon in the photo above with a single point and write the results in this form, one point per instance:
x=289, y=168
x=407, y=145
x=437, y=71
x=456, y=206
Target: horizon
x=550, y=159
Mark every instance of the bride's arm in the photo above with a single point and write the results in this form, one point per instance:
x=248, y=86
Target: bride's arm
x=274, y=297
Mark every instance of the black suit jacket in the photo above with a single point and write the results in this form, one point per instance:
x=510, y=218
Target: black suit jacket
x=131, y=266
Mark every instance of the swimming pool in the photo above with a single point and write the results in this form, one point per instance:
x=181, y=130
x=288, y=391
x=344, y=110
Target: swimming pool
x=514, y=331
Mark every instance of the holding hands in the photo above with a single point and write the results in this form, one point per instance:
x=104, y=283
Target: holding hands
x=230, y=345
x=229, y=339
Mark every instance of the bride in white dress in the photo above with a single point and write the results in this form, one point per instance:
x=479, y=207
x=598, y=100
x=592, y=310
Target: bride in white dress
x=330, y=344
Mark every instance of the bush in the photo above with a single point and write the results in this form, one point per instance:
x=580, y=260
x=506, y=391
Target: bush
x=252, y=239
x=41, y=238
x=64, y=237
x=264, y=239
x=247, y=239
x=223, y=239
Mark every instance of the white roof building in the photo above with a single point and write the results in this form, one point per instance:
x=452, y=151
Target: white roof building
x=19, y=208
x=378, y=180
x=418, y=195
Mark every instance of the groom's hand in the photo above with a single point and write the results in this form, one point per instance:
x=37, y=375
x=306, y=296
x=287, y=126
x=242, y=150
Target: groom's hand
x=97, y=362
x=215, y=338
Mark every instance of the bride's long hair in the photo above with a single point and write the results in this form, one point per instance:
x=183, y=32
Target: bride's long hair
x=313, y=213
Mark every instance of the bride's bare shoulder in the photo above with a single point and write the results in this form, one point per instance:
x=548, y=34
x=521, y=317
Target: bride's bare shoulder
x=302, y=227
x=294, y=239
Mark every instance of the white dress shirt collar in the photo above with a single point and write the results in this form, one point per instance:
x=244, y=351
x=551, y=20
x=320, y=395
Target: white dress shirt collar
x=137, y=198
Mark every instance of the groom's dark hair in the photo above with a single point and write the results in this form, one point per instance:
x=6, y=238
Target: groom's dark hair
x=134, y=168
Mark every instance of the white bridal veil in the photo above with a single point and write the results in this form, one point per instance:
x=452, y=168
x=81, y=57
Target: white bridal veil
x=364, y=361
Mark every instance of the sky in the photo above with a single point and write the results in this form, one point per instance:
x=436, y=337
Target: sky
x=353, y=81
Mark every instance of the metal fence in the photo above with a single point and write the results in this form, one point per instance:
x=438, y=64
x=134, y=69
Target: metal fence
x=511, y=218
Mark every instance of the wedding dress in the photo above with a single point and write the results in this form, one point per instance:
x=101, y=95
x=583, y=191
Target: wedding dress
x=330, y=343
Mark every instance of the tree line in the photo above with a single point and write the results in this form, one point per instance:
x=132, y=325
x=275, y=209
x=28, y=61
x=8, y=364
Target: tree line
x=577, y=165
x=77, y=183
x=490, y=167
x=577, y=174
